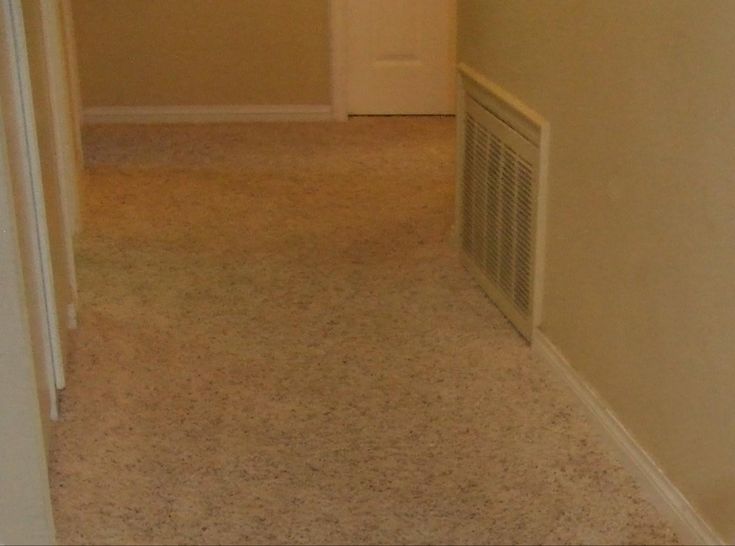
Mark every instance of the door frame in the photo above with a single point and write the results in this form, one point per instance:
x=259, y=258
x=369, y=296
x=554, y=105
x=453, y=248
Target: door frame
x=25, y=511
x=73, y=83
x=31, y=185
x=338, y=58
x=64, y=133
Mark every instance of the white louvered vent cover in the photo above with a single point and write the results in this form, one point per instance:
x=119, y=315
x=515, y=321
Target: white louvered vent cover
x=498, y=211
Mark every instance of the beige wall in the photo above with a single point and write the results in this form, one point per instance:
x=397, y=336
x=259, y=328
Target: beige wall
x=202, y=52
x=641, y=252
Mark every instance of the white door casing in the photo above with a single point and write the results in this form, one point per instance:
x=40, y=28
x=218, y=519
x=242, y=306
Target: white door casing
x=30, y=209
x=65, y=138
x=25, y=503
x=400, y=56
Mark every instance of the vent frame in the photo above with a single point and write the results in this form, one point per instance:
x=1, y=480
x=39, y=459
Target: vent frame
x=522, y=135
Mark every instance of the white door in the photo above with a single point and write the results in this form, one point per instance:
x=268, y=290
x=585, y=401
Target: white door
x=400, y=56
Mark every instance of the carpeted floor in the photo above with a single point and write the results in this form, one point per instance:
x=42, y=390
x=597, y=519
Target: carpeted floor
x=277, y=344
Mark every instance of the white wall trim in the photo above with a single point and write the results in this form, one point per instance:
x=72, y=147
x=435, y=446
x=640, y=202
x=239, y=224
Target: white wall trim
x=53, y=353
x=338, y=57
x=208, y=114
x=63, y=134
x=690, y=525
x=72, y=65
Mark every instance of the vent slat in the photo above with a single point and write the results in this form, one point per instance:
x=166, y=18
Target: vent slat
x=498, y=208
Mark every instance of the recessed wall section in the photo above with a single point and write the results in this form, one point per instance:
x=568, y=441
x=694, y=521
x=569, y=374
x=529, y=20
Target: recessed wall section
x=142, y=53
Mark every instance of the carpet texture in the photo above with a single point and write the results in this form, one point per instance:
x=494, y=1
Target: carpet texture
x=277, y=344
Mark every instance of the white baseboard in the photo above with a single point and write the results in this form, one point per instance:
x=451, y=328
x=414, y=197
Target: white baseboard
x=208, y=114
x=685, y=520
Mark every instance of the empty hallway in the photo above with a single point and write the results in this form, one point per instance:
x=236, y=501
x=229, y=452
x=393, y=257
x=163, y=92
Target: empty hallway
x=277, y=344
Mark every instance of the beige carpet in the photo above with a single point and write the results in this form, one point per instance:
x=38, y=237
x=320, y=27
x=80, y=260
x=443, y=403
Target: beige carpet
x=278, y=345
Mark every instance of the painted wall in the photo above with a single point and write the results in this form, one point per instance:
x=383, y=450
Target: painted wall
x=641, y=248
x=200, y=52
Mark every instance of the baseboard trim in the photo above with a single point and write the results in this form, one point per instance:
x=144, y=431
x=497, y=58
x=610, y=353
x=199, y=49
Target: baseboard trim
x=688, y=523
x=207, y=114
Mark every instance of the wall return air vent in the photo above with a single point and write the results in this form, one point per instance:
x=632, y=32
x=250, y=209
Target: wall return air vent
x=498, y=202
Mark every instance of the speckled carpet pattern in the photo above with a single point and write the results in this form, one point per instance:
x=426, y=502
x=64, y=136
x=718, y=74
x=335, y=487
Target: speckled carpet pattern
x=277, y=344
